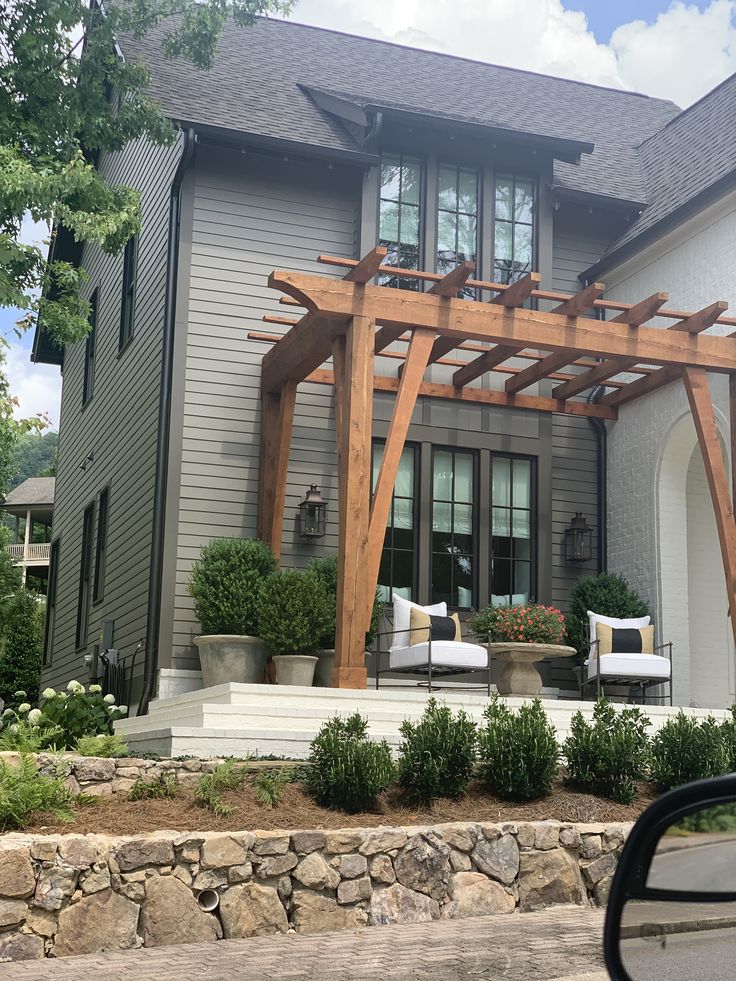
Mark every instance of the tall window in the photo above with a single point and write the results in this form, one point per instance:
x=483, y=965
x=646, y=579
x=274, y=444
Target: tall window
x=397, y=573
x=400, y=216
x=101, y=546
x=48, y=639
x=88, y=384
x=85, y=573
x=457, y=219
x=454, y=542
x=512, y=531
x=514, y=228
x=127, y=312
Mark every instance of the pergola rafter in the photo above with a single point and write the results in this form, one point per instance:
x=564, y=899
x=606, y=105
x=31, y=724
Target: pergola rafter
x=353, y=322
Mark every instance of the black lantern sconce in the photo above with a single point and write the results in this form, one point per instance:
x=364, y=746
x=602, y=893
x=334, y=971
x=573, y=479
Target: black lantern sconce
x=313, y=514
x=578, y=540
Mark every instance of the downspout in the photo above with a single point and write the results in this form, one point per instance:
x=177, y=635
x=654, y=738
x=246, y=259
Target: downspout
x=601, y=433
x=153, y=620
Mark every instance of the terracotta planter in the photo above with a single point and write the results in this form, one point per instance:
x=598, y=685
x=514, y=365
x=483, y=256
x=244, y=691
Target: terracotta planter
x=519, y=675
x=234, y=658
x=295, y=669
x=323, y=671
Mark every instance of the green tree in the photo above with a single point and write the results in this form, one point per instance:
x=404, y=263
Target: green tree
x=20, y=657
x=35, y=456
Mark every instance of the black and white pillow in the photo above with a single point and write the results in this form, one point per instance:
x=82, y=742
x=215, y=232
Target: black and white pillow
x=624, y=640
x=424, y=626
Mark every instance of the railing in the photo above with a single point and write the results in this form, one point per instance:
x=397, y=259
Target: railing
x=33, y=552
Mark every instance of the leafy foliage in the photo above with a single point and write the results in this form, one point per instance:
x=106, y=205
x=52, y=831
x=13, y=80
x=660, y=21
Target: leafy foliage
x=347, y=771
x=104, y=745
x=609, y=754
x=23, y=790
x=18, y=735
x=437, y=755
x=22, y=646
x=35, y=456
x=518, y=751
x=534, y=624
x=211, y=786
x=325, y=567
x=227, y=582
x=608, y=594
x=162, y=787
x=80, y=712
x=269, y=785
x=728, y=734
x=686, y=749
x=293, y=612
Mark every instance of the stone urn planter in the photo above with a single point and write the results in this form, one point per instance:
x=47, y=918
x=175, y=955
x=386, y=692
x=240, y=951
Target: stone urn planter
x=295, y=669
x=519, y=675
x=231, y=658
x=323, y=671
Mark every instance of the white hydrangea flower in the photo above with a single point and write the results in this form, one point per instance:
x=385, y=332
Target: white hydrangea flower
x=8, y=714
x=35, y=716
x=75, y=687
x=109, y=699
x=2, y=725
x=61, y=695
x=48, y=693
x=20, y=695
x=123, y=709
x=95, y=689
x=23, y=708
x=13, y=729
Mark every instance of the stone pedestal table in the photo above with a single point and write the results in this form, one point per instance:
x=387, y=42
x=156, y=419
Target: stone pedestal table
x=519, y=674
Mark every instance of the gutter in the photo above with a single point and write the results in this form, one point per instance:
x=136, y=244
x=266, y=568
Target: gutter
x=153, y=618
x=601, y=436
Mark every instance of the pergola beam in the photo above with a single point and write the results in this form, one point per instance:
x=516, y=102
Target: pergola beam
x=453, y=281
x=581, y=302
x=486, y=362
x=367, y=267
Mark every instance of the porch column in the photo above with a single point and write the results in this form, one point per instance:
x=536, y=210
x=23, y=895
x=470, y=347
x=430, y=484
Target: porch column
x=353, y=364
x=277, y=422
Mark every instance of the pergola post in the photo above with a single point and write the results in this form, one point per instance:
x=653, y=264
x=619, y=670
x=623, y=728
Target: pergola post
x=277, y=422
x=698, y=393
x=353, y=362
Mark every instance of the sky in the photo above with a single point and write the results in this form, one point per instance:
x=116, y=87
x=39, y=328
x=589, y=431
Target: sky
x=666, y=48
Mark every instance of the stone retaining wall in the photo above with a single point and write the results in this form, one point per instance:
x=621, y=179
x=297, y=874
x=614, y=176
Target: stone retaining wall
x=74, y=894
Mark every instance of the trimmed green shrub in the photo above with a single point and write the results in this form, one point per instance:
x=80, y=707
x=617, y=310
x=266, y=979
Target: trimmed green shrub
x=79, y=712
x=325, y=568
x=534, y=624
x=607, y=594
x=24, y=791
x=610, y=754
x=293, y=612
x=728, y=734
x=518, y=751
x=211, y=786
x=226, y=584
x=162, y=787
x=22, y=647
x=687, y=749
x=347, y=771
x=103, y=746
x=437, y=755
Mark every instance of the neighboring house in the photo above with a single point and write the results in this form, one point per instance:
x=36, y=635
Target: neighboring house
x=31, y=506
x=301, y=142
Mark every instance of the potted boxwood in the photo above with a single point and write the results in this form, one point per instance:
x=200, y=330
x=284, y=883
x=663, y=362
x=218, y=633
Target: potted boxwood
x=293, y=615
x=326, y=569
x=519, y=637
x=226, y=584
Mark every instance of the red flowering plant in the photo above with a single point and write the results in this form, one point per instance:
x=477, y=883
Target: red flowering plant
x=534, y=624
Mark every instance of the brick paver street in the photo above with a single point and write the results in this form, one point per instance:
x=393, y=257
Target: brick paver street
x=560, y=943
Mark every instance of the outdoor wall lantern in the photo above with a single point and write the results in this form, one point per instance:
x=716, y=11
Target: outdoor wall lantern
x=313, y=514
x=578, y=540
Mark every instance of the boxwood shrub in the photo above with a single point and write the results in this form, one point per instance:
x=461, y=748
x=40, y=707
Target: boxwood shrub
x=518, y=751
x=347, y=771
x=688, y=749
x=226, y=584
x=437, y=755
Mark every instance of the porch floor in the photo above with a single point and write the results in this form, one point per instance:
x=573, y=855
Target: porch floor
x=265, y=720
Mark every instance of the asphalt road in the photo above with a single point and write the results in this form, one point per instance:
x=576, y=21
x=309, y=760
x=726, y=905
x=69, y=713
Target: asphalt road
x=707, y=866
x=706, y=956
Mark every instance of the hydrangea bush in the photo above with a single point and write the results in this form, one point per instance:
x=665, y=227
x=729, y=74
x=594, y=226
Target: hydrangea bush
x=533, y=624
x=62, y=718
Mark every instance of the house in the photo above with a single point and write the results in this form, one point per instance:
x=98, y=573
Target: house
x=304, y=142
x=31, y=505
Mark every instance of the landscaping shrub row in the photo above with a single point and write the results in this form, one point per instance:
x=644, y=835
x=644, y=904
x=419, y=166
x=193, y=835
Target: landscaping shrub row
x=515, y=753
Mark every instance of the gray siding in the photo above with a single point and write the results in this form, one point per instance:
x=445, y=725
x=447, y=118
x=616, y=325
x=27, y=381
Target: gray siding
x=118, y=425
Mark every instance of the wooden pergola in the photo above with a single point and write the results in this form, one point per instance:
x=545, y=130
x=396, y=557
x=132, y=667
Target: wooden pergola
x=352, y=321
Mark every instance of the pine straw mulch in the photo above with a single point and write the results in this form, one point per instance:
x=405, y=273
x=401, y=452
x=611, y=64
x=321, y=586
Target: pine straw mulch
x=297, y=811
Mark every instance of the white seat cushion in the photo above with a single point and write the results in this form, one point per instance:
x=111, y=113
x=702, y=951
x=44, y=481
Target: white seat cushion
x=638, y=666
x=445, y=654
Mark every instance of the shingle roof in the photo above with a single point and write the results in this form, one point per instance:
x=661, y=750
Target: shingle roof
x=254, y=87
x=34, y=491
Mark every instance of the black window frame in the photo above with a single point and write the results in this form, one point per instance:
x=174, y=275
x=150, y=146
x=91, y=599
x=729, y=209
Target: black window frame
x=127, y=306
x=103, y=521
x=474, y=454
x=51, y=591
x=90, y=350
x=85, y=577
x=416, y=451
x=395, y=248
x=466, y=292
x=533, y=509
x=534, y=224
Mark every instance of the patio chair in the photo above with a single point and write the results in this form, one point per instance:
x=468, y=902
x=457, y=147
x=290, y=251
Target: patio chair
x=432, y=658
x=622, y=663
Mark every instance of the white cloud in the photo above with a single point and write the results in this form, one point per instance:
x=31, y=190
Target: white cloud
x=37, y=387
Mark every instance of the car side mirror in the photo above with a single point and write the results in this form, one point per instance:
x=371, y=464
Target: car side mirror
x=672, y=908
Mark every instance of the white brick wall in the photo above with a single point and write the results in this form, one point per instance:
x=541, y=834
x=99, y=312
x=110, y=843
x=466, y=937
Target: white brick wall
x=653, y=520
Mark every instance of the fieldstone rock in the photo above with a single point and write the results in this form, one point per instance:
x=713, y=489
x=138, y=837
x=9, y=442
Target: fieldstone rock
x=144, y=851
x=383, y=840
x=105, y=921
x=459, y=861
x=271, y=843
x=20, y=947
x=592, y=846
x=424, y=865
x=17, y=879
x=353, y=890
x=284, y=887
x=602, y=890
x=604, y=866
x=44, y=849
x=460, y=836
x=570, y=837
x=473, y=894
x=525, y=835
x=546, y=835
x=78, y=853
x=171, y=915
x=41, y=921
x=182, y=873
x=313, y=912
x=304, y=842
x=55, y=885
x=314, y=873
x=134, y=891
x=613, y=837
x=187, y=848
x=351, y=866
x=499, y=859
x=549, y=879
x=382, y=869
x=240, y=873
x=12, y=912
x=275, y=865
x=96, y=881
x=210, y=879
x=94, y=768
x=222, y=851
x=252, y=910
x=340, y=842
x=397, y=904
